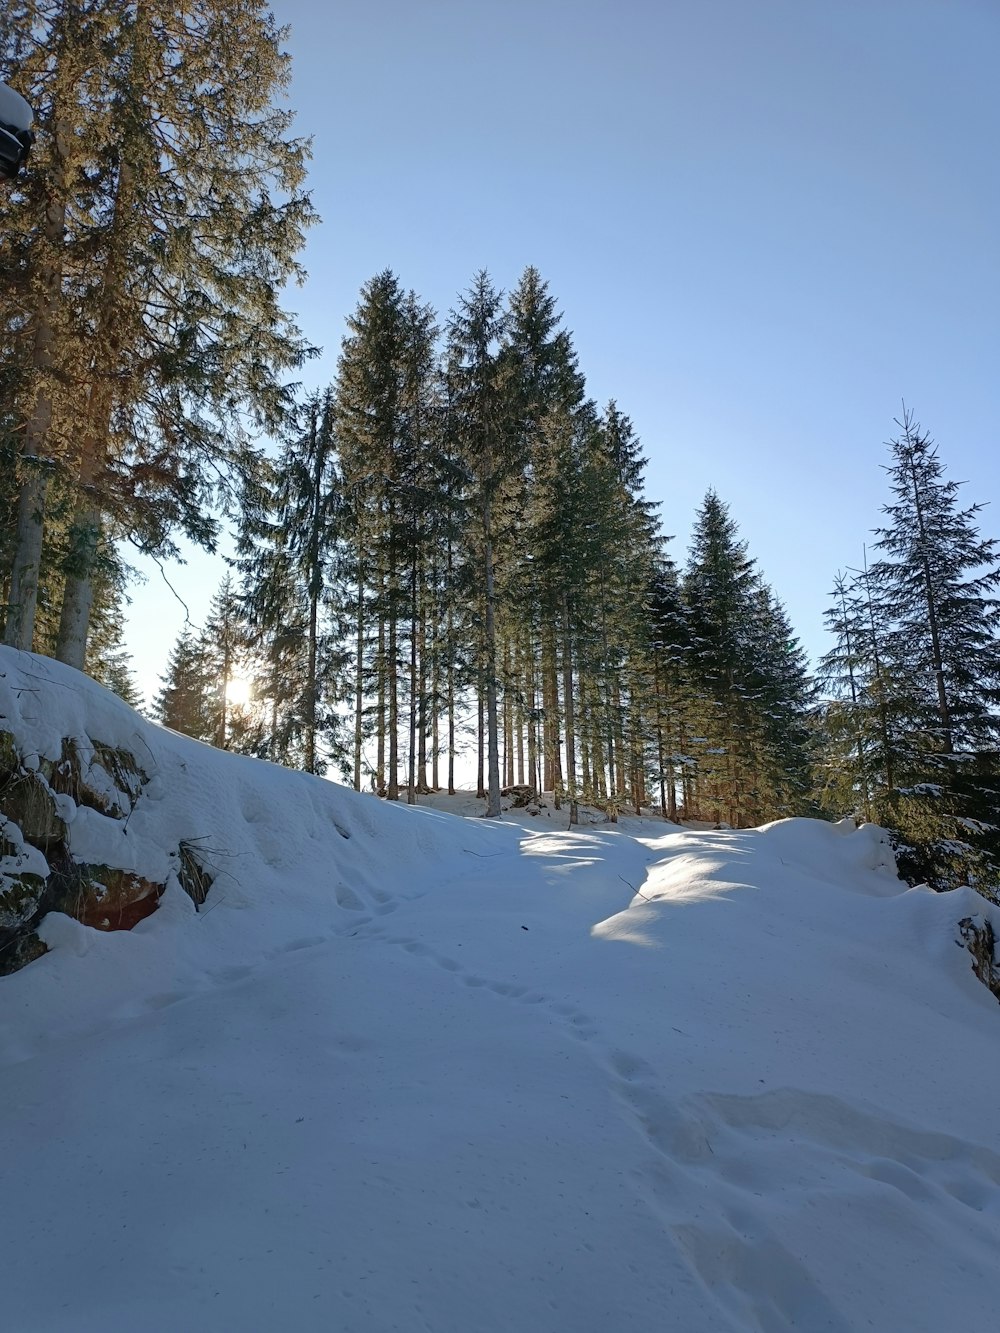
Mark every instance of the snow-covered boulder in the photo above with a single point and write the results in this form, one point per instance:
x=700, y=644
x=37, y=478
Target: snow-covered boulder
x=45, y=782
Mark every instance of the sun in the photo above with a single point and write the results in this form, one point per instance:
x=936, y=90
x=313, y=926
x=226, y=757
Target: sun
x=238, y=691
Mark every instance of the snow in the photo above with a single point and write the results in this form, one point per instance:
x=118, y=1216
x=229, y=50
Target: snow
x=406, y=1070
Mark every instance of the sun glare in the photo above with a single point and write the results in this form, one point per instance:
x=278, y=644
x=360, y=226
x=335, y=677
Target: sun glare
x=238, y=691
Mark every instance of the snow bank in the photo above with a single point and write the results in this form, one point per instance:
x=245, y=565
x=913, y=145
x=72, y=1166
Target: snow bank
x=410, y=1071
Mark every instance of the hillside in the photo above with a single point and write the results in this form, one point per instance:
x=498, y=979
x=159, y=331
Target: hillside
x=403, y=1070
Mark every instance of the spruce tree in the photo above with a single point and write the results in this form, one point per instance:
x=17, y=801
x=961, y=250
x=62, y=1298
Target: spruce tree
x=176, y=203
x=370, y=427
x=940, y=578
x=751, y=696
x=481, y=409
x=186, y=701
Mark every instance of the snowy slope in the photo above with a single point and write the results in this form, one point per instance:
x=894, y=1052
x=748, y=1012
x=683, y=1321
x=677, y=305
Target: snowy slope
x=408, y=1071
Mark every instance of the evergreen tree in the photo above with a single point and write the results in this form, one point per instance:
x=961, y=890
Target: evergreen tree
x=175, y=210
x=939, y=577
x=544, y=390
x=371, y=426
x=187, y=700
x=480, y=407
x=751, y=697
x=305, y=531
x=223, y=645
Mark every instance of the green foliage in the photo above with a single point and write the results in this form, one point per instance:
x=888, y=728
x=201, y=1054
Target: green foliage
x=145, y=336
x=913, y=722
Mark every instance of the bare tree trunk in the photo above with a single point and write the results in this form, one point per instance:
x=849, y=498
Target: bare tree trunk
x=424, y=702
x=493, y=756
x=392, y=664
x=310, y=719
x=450, y=649
x=617, y=739
x=508, y=716
x=380, y=706
x=551, y=721
x=480, y=741
x=435, y=709
x=534, y=778
x=36, y=446
x=569, y=715
x=519, y=715
x=359, y=670
x=411, y=768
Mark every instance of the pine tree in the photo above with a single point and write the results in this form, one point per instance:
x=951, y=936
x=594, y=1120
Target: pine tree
x=186, y=700
x=223, y=644
x=864, y=718
x=544, y=389
x=751, y=697
x=308, y=503
x=371, y=426
x=58, y=47
x=481, y=409
x=940, y=577
x=180, y=210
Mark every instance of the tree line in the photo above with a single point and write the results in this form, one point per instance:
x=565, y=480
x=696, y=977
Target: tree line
x=458, y=532
x=464, y=534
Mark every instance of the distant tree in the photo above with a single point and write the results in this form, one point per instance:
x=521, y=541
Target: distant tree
x=748, y=724
x=941, y=576
x=223, y=646
x=938, y=580
x=187, y=700
x=481, y=409
x=305, y=532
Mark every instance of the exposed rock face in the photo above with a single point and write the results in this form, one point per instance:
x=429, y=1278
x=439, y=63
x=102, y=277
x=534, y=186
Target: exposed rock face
x=28, y=803
x=195, y=878
x=110, y=899
x=38, y=873
x=980, y=940
x=521, y=795
x=102, y=778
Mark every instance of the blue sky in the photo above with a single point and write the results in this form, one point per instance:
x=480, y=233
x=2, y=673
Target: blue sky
x=766, y=223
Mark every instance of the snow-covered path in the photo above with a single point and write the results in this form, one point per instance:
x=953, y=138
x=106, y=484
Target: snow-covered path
x=407, y=1071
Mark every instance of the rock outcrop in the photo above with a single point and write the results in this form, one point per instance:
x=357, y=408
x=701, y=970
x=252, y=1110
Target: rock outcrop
x=38, y=871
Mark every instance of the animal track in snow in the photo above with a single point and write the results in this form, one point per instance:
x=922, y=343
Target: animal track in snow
x=347, y=898
x=580, y=1025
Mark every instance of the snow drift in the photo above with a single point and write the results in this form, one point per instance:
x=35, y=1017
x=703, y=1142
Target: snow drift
x=407, y=1071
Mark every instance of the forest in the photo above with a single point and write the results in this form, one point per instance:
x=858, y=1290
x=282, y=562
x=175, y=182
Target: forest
x=452, y=538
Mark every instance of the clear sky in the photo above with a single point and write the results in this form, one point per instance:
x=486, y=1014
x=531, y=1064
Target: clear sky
x=766, y=223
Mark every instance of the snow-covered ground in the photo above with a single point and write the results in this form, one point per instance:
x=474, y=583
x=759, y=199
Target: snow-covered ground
x=407, y=1071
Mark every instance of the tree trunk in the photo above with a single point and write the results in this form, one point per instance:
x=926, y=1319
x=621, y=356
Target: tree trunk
x=380, y=706
x=392, y=665
x=424, y=703
x=359, y=670
x=534, y=777
x=493, y=755
x=411, y=768
x=310, y=718
x=36, y=446
x=569, y=716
